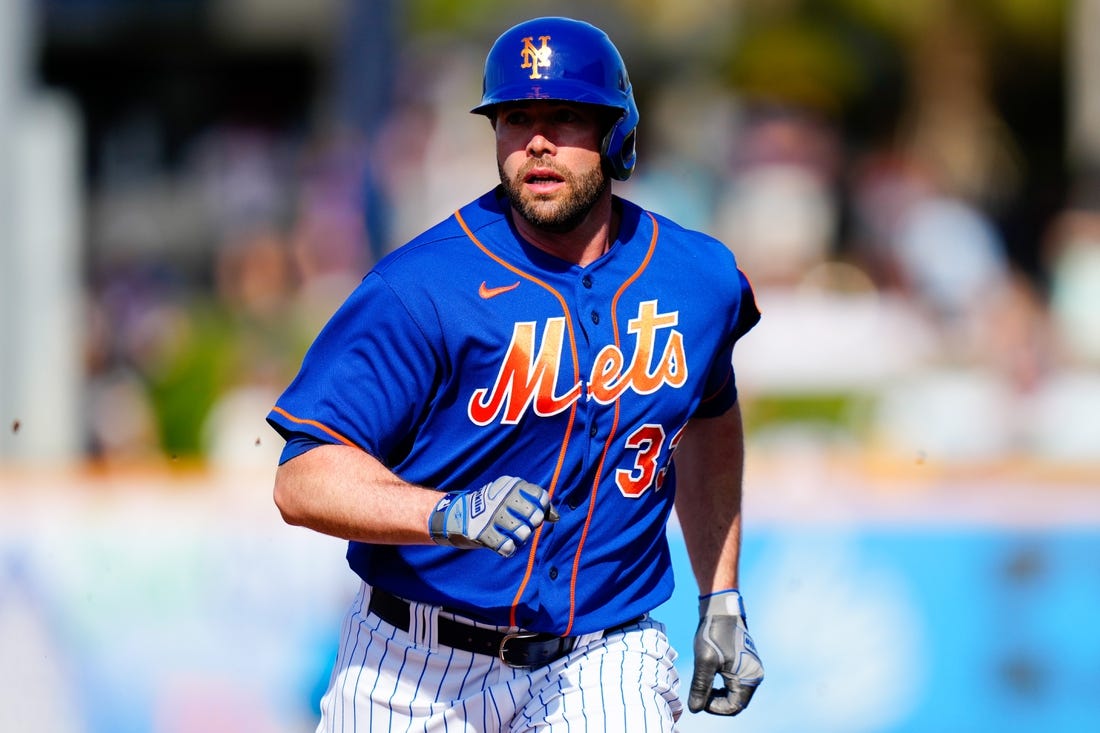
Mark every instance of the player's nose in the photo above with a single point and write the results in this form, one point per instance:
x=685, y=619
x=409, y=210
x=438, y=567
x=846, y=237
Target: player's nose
x=540, y=144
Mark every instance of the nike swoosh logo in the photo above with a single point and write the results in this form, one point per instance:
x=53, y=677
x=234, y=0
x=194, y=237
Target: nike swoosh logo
x=486, y=292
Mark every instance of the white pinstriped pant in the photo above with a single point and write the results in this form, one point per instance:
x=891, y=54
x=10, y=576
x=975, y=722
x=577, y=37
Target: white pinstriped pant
x=386, y=679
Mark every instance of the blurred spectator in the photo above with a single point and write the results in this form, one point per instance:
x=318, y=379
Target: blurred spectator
x=163, y=353
x=779, y=211
x=180, y=337
x=686, y=165
x=950, y=256
x=1072, y=256
x=121, y=423
x=433, y=155
x=256, y=283
x=1011, y=334
x=1063, y=422
x=951, y=123
x=328, y=235
x=245, y=179
x=134, y=321
x=944, y=257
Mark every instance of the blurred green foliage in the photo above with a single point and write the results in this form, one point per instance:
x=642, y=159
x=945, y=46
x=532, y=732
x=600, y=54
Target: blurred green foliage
x=841, y=413
x=801, y=61
x=183, y=391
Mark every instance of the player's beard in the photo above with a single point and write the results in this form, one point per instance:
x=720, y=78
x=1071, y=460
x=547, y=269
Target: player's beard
x=556, y=215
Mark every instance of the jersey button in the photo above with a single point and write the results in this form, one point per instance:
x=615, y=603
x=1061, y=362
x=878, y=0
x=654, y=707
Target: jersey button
x=595, y=317
x=586, y=281
x=592, y=431
x=553, y=573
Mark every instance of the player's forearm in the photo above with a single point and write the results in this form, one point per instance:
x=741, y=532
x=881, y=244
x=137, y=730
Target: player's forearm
x=709, y=466
x=346, y=493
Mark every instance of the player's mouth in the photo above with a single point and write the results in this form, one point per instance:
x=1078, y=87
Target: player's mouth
x=543, y=180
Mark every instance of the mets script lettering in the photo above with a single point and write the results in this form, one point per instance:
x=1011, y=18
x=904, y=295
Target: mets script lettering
x=535, y=56
x=528, y=380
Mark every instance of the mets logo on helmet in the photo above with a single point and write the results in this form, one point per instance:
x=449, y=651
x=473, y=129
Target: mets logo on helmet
x=535, y=56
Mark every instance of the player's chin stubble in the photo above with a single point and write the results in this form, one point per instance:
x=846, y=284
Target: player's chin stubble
x=556, y=215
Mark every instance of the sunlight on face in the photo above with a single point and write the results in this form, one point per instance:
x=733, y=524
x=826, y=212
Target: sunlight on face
x=548, y=155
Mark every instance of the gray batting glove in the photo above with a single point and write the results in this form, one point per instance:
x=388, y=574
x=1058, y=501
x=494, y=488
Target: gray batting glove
x=723, y=647
x=500, y=515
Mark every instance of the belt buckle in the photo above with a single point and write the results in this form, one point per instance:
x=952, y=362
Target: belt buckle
x=504, y=642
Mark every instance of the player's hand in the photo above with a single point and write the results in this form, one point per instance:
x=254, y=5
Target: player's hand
x=500, y=515
x=723, y=647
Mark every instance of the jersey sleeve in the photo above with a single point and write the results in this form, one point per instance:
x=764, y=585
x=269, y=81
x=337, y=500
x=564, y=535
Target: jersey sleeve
x=364, y=380
x=721, y=385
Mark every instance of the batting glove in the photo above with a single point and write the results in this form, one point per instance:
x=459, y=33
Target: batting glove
x=723, y=647
x=500, y=515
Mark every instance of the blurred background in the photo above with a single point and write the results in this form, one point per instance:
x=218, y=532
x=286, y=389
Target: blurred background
x=188, y=188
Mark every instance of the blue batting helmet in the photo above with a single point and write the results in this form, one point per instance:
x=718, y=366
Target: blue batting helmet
x=568, y=60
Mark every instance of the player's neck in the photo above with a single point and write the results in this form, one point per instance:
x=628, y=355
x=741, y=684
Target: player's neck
x=584, y=244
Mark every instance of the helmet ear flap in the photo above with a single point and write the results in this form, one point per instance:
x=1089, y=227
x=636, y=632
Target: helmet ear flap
x=619, y=146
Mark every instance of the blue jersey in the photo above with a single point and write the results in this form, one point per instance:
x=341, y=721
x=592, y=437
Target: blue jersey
x=469, y=354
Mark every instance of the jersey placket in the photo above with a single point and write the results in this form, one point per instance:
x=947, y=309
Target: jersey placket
x=591, y=308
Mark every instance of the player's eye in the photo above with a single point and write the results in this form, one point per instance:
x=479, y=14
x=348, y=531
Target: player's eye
x=567, y=116
x=516, y=117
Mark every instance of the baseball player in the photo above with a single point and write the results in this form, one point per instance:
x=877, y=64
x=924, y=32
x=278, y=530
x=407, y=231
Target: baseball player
x=491, y=418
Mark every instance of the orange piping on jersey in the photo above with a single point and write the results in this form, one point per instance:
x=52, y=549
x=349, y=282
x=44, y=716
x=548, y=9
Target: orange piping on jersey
x=314, y=423
x=572, y=412
x=538, y=532
x=610, y=436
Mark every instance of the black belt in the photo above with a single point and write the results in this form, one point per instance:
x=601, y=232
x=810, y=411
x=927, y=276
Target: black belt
x=516, y=649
